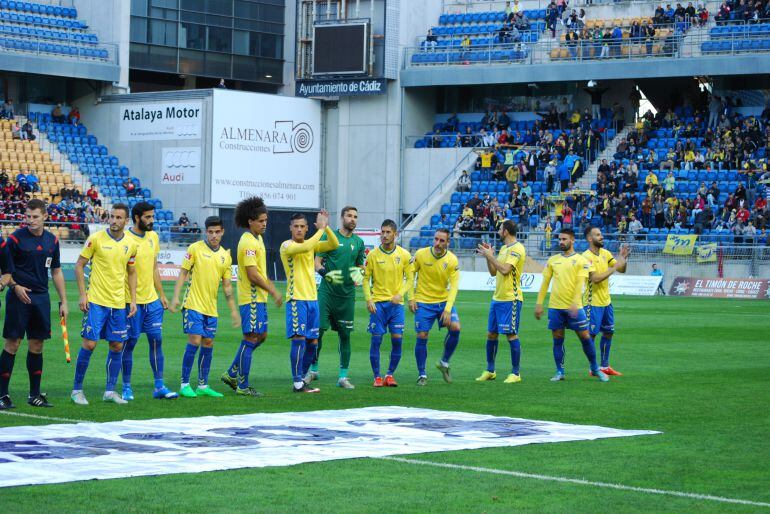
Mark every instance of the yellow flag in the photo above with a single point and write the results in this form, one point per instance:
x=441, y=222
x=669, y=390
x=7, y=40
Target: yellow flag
x=707, y=252
x=680, y=244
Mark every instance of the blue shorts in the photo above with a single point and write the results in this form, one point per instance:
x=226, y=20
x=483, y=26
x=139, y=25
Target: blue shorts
x=600, y=319
x=148, y=319
x=504, y=317
x=253, y=318
x=32, y=319
x=429, y=313
x=104, y=323
x=559, y=319
x=195, y=323
x=302, y=319
x=388, y=318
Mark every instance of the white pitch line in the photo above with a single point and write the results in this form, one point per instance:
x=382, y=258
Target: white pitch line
x=37, y=416
x=621, y=487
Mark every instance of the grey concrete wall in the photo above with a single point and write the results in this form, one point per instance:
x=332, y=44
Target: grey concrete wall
x=110, y=20
x=144, y=157
x=363, y=157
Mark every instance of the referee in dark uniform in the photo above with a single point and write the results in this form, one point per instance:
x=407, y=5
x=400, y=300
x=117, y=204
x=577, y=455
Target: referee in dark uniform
x=32, y=252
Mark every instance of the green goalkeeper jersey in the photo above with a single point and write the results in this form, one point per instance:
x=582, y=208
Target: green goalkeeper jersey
x=351, y=252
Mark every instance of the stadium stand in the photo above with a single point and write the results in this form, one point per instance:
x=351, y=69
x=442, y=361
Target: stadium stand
x=102, y=169
x=680, y=174
x=47, y=29
x=27, y=172
x=514, y=179
x=734, y=37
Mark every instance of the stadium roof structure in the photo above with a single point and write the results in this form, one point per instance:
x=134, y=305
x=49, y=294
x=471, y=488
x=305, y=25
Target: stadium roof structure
x=480, y=73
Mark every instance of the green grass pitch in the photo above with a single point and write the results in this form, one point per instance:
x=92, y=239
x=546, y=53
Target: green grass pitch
x=695, y=369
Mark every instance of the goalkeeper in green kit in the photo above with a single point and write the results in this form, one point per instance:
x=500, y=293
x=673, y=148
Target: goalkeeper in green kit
x=342, y=271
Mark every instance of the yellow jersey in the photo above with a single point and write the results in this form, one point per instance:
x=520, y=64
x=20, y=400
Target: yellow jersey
x=508, y=287
x=109, y=260
x=437, y=277
x=387, y=274
x=299, y=264
x=251, y=252
x=598, y=295
x=569, y=273
x=147, y=250
x=207, y=269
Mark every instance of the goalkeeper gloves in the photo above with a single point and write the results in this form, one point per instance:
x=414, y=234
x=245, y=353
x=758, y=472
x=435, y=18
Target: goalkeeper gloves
x=356, y=275
x=334, y=277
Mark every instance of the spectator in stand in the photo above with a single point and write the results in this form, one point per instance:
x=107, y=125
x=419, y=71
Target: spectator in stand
x=57, y=115
x=129, y=187
x=468, y=139
x=596, y=100
x=27, y=131
x=21, y=180
x=16, y=131
x=74, y=116
x=452, y=123
x=93, y=195
x=185, y=221
x=33, y=183
x=566, y=215
x=617, y=41
x=648, y=32
x=464, y=182
x=221, y=84
x=7, y=111
x=551, y=17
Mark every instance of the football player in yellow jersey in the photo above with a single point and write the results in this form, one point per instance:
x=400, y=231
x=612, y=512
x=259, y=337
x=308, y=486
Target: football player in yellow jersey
x=598, y=305
x=208, y=264
x=438, y=276
x=111, y=255
x=388, y=277
x=569, y=272
x=302, y=316
x=150, y=302
x=505, y=309
x=253, y=288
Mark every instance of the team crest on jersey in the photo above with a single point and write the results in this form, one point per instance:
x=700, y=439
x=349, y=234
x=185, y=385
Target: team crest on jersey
x=398, y=260
x=187, y=256
x=222, y=259
x=445, y=265
x=352, y=247
x=125, y=248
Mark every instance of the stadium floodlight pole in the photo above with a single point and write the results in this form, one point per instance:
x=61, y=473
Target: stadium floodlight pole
x=371, y=38
x=358, y=8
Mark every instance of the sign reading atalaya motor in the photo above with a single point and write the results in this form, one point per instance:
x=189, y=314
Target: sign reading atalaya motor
x=149, y=121
x=267, y=146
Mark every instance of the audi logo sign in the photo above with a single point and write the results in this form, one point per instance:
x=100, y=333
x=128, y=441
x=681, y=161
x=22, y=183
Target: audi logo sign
x=181, y=165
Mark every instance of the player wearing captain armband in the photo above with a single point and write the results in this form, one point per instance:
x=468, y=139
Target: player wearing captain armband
x=208, y=265
x=598, y=304
x=111, y=254
x=438, y=276
x=505, y=309
x=388, y=277
x=253, y=288
x=302, y=315
x=568, y=271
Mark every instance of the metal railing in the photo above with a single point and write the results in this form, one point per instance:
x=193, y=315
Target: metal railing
x=544, y=244
x=675, y=46
x=25, y=44
x=449, y=181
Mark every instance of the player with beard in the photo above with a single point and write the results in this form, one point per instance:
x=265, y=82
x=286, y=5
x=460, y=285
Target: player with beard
x=569, y=271
x=342, y=270
x=598, y=304
x=151, y=302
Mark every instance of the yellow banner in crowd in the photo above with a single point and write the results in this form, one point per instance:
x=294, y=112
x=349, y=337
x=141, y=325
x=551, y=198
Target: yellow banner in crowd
x=680, y=244
x=707, y=252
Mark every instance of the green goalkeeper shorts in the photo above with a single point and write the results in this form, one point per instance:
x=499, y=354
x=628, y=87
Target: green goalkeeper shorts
x=336, y=312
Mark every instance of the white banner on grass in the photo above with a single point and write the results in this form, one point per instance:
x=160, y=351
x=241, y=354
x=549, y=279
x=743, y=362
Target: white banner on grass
x=267, y=146
x=67, y=453
x=640, y=285
x=153, y=121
